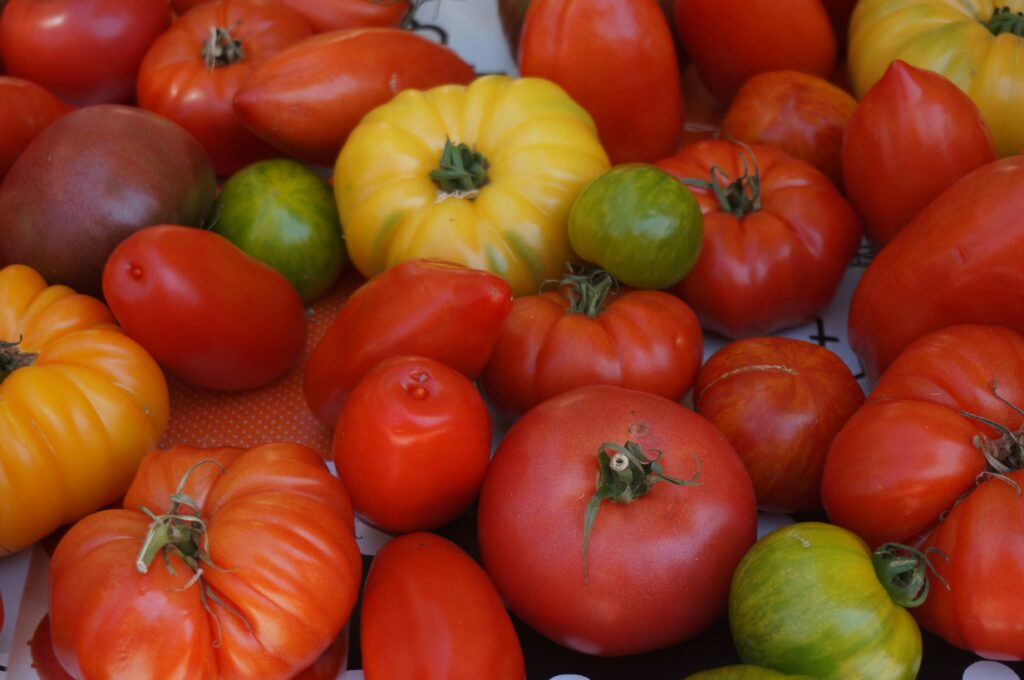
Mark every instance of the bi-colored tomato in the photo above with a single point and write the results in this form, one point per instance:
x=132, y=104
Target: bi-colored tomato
x=743, y=672
x=25, y=109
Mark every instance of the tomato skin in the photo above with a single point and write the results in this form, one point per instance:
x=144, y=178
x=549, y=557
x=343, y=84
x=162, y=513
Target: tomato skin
x=669, y=554
x=913, y=134
x=338, y=77
x=428, y=435
x=743, y=672
x=213, y=315
x=589, y=47
x=83, y=51
x=176, y=82
x=426, y=592
x=25, y=109
x=968, y=238
x=332, y=15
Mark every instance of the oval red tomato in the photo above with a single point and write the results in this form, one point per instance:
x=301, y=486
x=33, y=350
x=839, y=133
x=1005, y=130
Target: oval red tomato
x=211, y=314
x=25, y=109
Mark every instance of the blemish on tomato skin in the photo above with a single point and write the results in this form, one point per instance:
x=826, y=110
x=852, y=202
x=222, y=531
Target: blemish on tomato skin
x=135, y=271
x=417, y=390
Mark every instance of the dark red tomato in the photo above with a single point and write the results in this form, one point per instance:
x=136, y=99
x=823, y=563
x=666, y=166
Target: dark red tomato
x=208, y=312
x=193, y=71
x=958, y=261
x=306, y=99
x=83, y=51
x=430, y=612
x=426, y=308
x=334, y=15
x=589, y=333
x=779, y=402
x=648, y=573
x=777, y=238
x=730, y=41
x=914, y=133
x=25, y=109
x=412, y=444
x=597, y=47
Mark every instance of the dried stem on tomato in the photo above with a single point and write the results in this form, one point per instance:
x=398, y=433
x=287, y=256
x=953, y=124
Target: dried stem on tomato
x=221, y=49
x=12, y=358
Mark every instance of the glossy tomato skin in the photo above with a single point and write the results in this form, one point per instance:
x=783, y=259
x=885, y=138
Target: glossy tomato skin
x=412, y=444
x=668, y=554
x=335, y=15
x=589, y=47
x=430, y=612
x=780, y=263
x=731, y=40
x=914, y=133
x=338, y=77
x=83, y=51
x=969, y=240
x=423, y=307
x=779, y=402
x=25, y=109
x=211, y=314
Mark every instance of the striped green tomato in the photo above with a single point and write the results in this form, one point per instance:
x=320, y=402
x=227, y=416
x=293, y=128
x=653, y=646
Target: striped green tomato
x=743, y=672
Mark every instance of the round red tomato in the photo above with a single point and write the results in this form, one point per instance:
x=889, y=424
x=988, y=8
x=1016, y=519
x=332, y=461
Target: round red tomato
x=83, y=51
x=25, y=109
x=412, y=444
x=193, y=71
x=635, y=576
x=213, y=315
x=590, y=333
x=777, y=237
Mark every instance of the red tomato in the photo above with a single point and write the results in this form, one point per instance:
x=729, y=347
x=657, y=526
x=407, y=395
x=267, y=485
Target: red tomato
x=259, y=588
x=958, y=261
x=83, y=51
x=430, y=612
x=335, y=15
x=594, y=47
x=213, y=315
x=801, y=114
x=429, y=432
x=420, y=307
x=731, y=40
x=657, y=569
x=777, y=238
x=588, y=333
x=193, y=71
x=339, y=77
x=779, y=402
x=914, y=133
x=25, y=109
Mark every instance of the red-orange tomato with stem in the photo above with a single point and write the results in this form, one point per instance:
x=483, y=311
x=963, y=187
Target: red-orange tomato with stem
x=913, y=134
x=25, y=109
x=779, y=402
x=617, y=60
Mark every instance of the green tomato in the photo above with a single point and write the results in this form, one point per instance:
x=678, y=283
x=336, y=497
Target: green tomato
x=743, y=672
x=806, y=599
x=640, y=224
x=283, y=214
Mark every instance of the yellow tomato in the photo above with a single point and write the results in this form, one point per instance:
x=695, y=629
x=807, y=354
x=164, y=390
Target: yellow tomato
x=975, y=43
x=483, y=175
x=80, y=405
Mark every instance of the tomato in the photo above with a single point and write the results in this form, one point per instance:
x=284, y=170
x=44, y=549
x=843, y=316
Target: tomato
x=639, y=224
x=193, y=71
x=412, y=443
x=588, y=332
x=25, y=109
x=211, y=314
x=80, y=404
x=338, y=77
x=802, y=114
x=779, y=402
x=913, y=134
x=730, y=41
x=743, y=672
x=974, y=43
x=335, y=15
x=581, y=578
x=806, y=599
x=225, y=579
x=430, y=612
x=777, y=238
x=83, y=51
x=283, y=214
x=958, y=261
x=428, y=308
x=483, y=175
x=594, y=47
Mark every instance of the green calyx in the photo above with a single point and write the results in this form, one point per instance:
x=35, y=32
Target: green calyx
x=740, y=196
x=12, y=358
x=461, y=171
x=903, y=572
x=1005, y=20
x=221, y=49
x=587, y=289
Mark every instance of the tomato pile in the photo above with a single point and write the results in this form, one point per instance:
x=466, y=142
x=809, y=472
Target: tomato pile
x=533, y=265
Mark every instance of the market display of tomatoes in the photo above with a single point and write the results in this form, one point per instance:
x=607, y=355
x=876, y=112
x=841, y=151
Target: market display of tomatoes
x=567, y=314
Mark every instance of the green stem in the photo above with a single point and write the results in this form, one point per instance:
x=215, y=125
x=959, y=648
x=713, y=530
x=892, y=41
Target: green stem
x=220, y=49
x=1004, y=20
x=461, y=169
x=587, y=289
x=739, y=197
x=903, y=572
x=12, y=358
